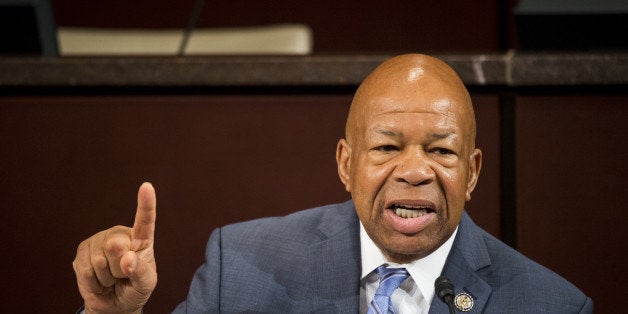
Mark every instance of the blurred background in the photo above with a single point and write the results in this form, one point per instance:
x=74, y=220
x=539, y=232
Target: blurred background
x=99, y=96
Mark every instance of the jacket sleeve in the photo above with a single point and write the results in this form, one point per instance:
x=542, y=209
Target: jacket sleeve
x=204, y=293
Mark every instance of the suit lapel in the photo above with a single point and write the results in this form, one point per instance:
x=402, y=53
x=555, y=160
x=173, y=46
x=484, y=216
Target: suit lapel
x=336, y=267
x=335, y=261
x=468, y=255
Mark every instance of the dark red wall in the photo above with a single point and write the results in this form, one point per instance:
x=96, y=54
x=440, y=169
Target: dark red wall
x=572, y=174
x=71, y=165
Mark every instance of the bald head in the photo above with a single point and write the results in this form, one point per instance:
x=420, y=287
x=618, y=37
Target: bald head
x=409, y=158
x=407, y=79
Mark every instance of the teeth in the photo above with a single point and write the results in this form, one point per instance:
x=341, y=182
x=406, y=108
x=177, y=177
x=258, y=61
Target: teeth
x=410, y=213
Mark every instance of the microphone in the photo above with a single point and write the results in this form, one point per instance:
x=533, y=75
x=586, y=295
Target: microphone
x=445, y=291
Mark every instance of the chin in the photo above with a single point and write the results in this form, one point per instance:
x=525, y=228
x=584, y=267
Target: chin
x=410, y=249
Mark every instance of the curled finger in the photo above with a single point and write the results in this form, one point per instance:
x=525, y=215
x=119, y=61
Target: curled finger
x=85, y=275
x=116, y=243
x=101, y=267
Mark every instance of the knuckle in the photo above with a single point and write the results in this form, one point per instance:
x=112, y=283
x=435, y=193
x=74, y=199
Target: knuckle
x=75, y=265
x=81, y=266
x=118, y=229
x=84, y=245
x=85, y=272
x=99, y=262
x=114, y=245
x=117, y=239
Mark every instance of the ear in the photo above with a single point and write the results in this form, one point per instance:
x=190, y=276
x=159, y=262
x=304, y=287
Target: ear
x=475, y=165
x=343, y=159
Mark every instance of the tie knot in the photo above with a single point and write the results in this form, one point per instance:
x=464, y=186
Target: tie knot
x=390, y=279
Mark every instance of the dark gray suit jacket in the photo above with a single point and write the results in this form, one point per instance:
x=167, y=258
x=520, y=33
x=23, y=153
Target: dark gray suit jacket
x=310, y=262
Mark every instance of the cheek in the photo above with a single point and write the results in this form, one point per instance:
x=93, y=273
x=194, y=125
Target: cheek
x=454, y=184
x=367, y=182
x=371, y=178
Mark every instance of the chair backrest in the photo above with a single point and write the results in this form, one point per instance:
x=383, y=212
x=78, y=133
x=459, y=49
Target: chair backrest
x=271, y=39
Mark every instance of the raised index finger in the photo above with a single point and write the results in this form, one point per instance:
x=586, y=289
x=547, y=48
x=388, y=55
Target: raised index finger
x=144, y=226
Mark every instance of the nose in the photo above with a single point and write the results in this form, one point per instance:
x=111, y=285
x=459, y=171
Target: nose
x=414, y=168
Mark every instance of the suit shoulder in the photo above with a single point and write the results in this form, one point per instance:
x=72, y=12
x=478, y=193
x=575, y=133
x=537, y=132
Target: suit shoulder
x=516, y=276
x=299, y=226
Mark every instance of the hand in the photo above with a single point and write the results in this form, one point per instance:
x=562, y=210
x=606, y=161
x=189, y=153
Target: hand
x=115, y=268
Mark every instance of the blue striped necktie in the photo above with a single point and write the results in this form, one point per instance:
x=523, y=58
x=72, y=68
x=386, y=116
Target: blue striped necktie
x=389, y=281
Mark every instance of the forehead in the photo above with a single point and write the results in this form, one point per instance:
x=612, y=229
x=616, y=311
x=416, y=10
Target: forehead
x=403, y=103
x=390, y=111
x=411, y=89
x=432, y=116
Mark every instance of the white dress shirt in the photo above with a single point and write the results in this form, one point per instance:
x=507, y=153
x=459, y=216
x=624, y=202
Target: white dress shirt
x=415, y=293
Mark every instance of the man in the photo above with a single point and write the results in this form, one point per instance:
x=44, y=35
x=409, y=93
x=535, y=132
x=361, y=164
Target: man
x=410, y=163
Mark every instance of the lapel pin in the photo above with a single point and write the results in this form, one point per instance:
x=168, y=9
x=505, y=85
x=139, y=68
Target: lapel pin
x=463, y=302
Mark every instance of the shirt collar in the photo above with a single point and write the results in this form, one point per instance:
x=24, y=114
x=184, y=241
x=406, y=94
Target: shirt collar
x=424, y=271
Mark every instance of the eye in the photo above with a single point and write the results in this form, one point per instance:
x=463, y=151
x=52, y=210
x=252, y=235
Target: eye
x=385, y=148
x=443, y=151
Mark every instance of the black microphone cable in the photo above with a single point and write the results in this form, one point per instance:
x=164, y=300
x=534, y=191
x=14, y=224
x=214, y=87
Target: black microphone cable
x=196, y=13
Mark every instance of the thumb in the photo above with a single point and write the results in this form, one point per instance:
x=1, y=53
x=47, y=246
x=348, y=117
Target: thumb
x=141, y=274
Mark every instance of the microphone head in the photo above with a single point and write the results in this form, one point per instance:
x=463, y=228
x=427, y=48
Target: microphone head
x=443, y=287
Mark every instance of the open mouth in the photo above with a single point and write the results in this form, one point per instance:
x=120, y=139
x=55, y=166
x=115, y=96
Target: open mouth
x=411, y=211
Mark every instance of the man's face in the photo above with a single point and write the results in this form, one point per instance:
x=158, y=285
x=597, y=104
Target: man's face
x=410, y=165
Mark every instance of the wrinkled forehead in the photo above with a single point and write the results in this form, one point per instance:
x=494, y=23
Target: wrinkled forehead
x=436, y=100
x=376, y=107
x=412, y=87
x=441, y=116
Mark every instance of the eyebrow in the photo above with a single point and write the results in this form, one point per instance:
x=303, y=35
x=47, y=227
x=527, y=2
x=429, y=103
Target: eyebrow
x=432, y=136
x=389, y=133
x=440, y=136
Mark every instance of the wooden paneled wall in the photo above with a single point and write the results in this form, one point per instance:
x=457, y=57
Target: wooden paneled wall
x=71, y=165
